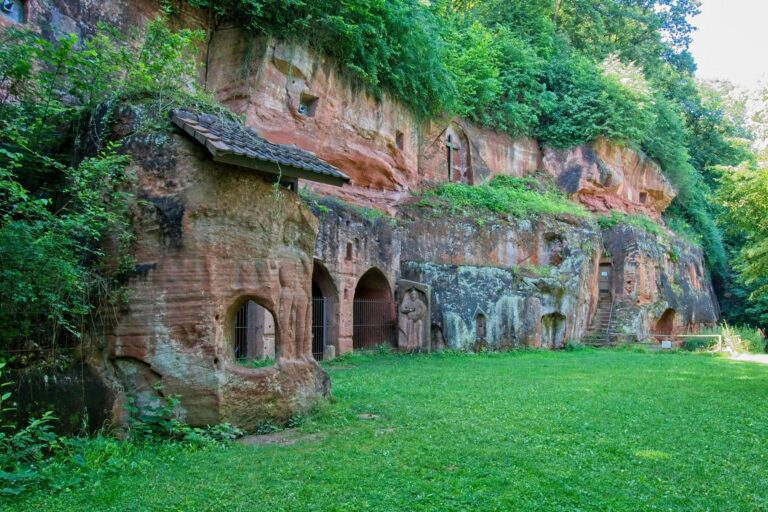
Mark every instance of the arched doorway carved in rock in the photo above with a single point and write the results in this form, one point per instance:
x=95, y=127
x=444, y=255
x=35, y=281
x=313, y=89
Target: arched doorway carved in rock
x=325, y=311
x=373, y=318
x=458, y=157
x=552, y=330
x=666, y=323
x=253, y=332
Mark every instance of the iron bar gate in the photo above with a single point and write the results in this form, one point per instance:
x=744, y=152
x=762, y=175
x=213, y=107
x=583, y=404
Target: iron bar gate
x=372, y=323
x=323, y=328
x=241, y=332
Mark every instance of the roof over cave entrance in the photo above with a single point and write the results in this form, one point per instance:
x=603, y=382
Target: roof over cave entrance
x=231, y=143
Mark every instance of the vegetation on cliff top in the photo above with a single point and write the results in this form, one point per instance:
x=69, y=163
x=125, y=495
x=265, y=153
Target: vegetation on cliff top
x=505, y=195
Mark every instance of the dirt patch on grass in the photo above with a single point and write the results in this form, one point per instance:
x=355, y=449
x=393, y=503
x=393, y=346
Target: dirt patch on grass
x=284, y=438
x=752, y=358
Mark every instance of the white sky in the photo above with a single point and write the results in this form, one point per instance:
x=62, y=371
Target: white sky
x=732, y=41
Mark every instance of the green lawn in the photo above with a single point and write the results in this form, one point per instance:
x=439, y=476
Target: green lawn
x=591, y=430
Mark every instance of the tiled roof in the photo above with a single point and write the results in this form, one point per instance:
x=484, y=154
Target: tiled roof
x=232, y=143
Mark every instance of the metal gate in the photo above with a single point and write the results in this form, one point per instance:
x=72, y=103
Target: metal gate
x=372, y=323
x=322, y=325
x=241, y=332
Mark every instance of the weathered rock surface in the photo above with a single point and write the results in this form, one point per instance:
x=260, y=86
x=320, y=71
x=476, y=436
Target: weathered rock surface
x=350, y=244
x=57, y=18
x=528, y=282
x=210, y=237
x=654, y=275
x=605, y=176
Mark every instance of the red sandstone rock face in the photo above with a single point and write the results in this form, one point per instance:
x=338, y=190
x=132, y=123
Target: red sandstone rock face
x=605, y=176
x=378, y=143
x=208, y=237
x=57, y=18
x=654, y=276
x=290, y=95
x=343, y=126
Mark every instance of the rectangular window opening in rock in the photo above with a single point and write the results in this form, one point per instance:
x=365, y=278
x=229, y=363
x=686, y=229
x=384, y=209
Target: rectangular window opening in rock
x=349, y=254
x=307, y=105
x=12, y=10
x=643, y=197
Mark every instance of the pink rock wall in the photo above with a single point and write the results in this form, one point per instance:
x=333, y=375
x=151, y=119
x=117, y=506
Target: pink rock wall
x=605, y=176
x=56, y=18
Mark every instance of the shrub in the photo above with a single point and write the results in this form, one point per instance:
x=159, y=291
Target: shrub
x=517, y=197
x=158, y=420
x=22, y=450
x=574, y=346
x=642, y=222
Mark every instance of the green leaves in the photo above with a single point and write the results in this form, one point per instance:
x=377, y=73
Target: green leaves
x=518, y=197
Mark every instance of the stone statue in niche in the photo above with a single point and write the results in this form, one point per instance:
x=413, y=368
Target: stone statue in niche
x=413, y=317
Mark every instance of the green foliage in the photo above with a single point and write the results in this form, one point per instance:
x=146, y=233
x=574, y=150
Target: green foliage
x=63, y=182
x=517, y=197
x=323, y=204
x=574, y=346
x=565, y=71
x=474, y=60
x=588, y=104
x=21, y=449
x=616, y=218
x=386, y=45
x=158, y=420
x=743, y=194
x=35, y=457
x=739, y=338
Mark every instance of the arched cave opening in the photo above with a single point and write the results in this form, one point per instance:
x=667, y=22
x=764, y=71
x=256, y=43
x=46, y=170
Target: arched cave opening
x=373, y=316
x=666, y=324
x=253, y=333
x=552, y=330
x=324, y=310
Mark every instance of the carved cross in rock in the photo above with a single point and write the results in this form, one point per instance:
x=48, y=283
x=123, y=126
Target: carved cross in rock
x=451, y=147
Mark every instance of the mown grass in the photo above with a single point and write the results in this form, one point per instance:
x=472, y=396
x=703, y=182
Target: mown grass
x=517, y=197
x=584, y=430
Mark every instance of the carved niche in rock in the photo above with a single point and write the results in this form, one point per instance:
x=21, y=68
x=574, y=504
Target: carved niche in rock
x=12, y=10
x=413, y=316
x=457, y=154
x=554, y=249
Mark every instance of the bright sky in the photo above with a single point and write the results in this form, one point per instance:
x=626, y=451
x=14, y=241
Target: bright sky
x=732, y=41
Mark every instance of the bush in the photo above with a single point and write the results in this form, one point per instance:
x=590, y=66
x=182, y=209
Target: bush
x=642, y=222
x=22, y=450
x=518, y=197
x=574, y=346
x=587, y=104
x=158, y=420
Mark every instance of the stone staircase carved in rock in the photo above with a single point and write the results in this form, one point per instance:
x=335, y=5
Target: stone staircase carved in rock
x=599, y=332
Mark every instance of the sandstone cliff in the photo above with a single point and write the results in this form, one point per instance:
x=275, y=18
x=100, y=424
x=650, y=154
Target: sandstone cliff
x=208, y=237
